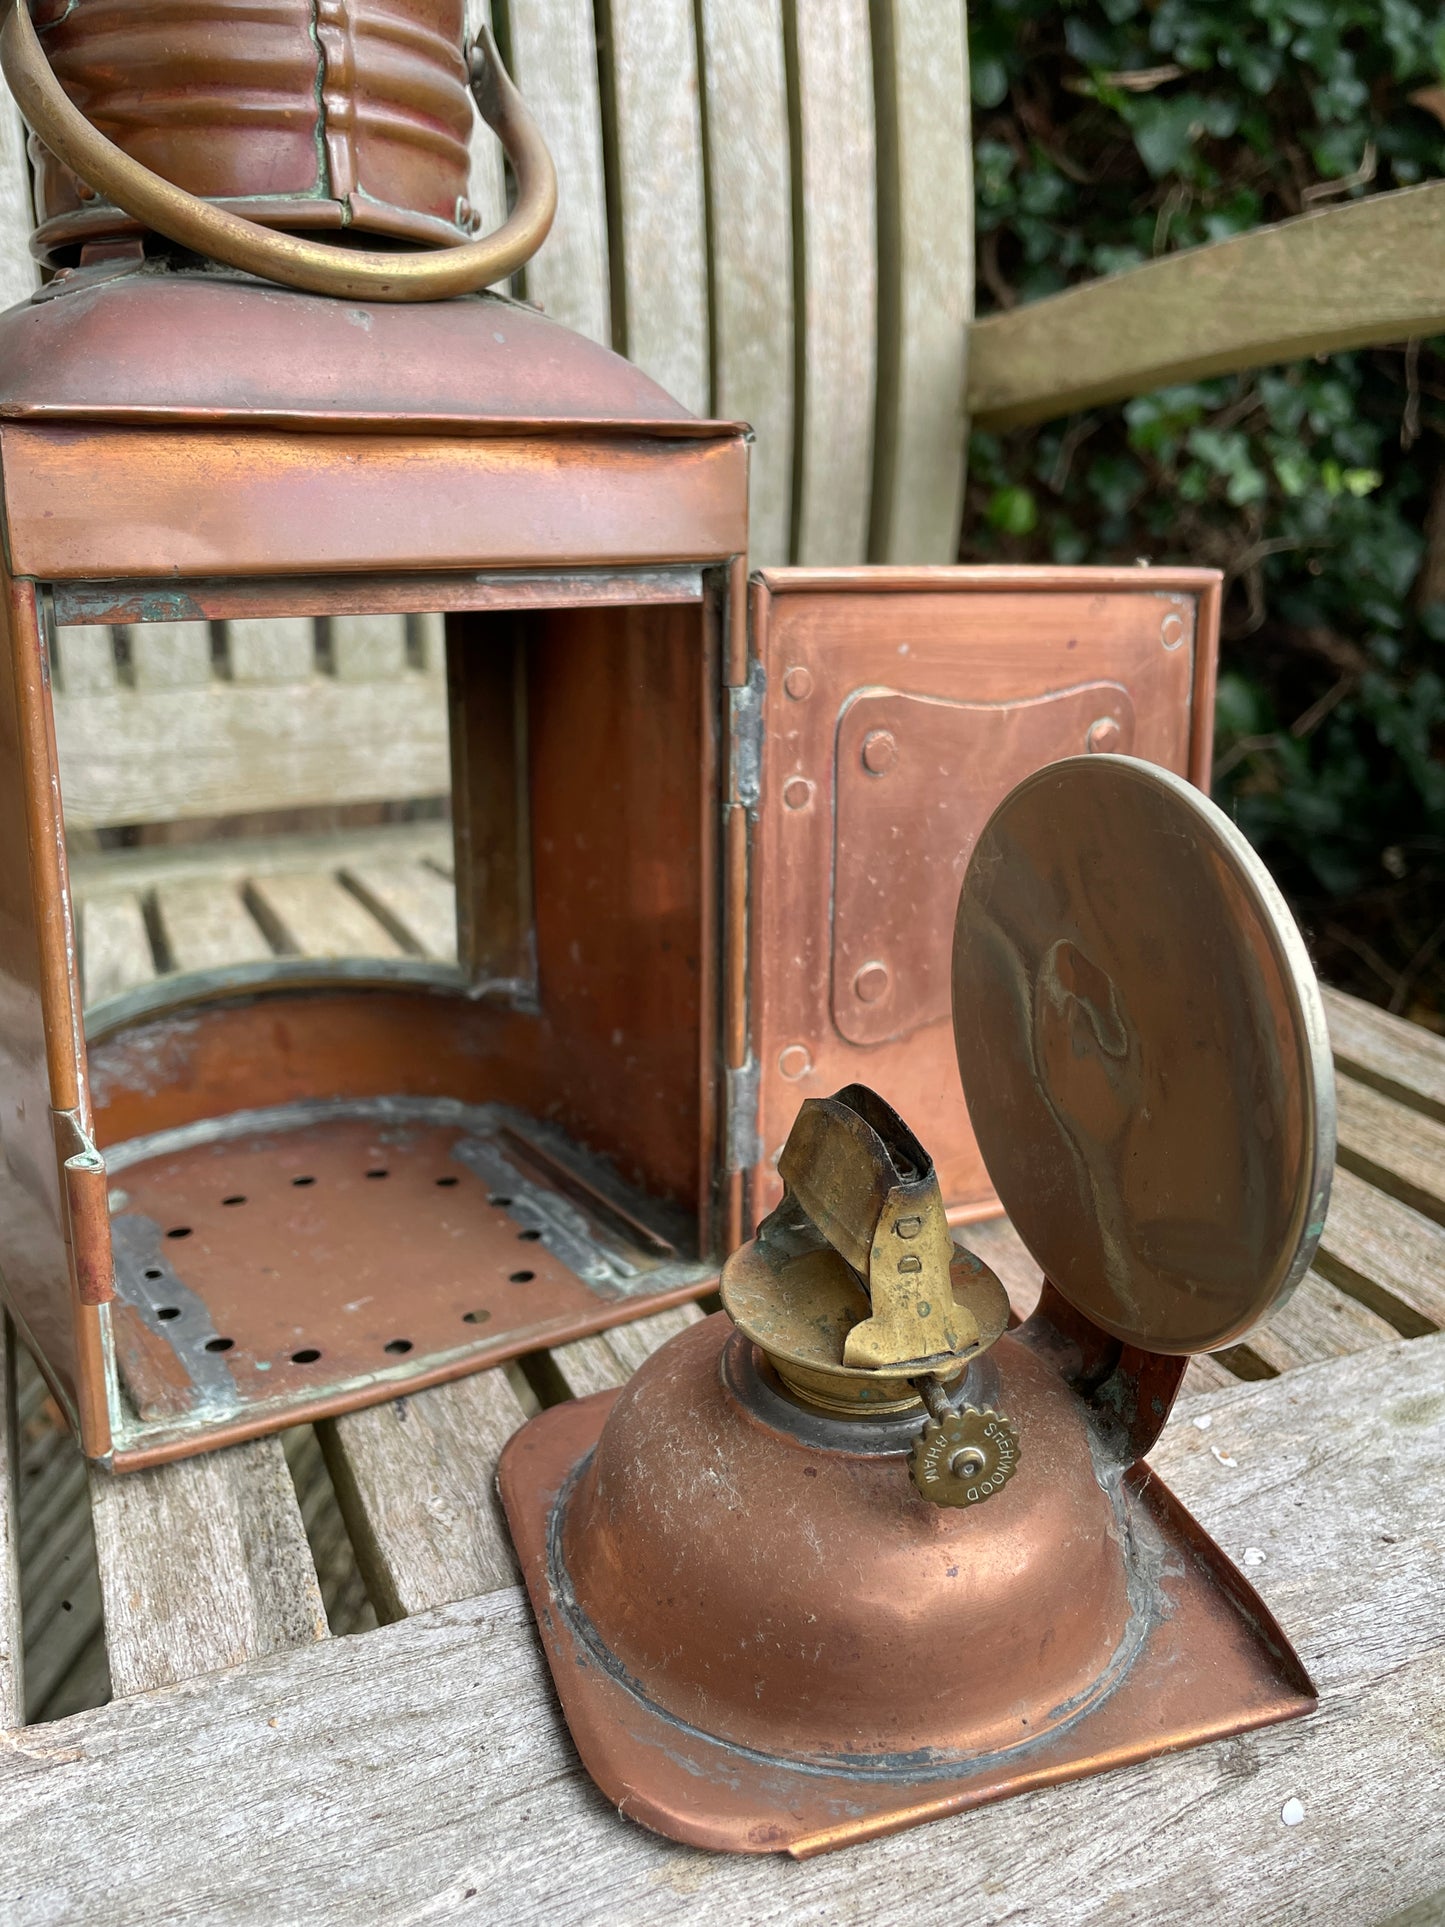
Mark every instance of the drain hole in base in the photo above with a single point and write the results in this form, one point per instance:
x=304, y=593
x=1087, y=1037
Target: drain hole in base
x=397, y=1345
x=522, y=1277
x=447, y=1183
x=529, y=1237
x=308, y=1355
x=154, y=1271
x=236, y=1200
x=180, y=1231
x=378, y=1174
x=219, y=1344
x=303, y=1181
x=168, y=1311
x=475, y=1317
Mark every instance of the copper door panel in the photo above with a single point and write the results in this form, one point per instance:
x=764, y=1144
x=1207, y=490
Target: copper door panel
x=892, y=724
x=892, y=919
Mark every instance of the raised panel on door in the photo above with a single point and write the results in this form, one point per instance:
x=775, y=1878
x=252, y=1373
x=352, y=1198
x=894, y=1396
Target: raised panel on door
x=898, y=707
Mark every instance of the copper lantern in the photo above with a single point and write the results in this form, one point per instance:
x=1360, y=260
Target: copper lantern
x=697, y=819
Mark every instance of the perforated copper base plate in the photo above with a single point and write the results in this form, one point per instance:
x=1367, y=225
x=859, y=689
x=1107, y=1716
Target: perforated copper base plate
x=1215, y=1664
x=325, y=1260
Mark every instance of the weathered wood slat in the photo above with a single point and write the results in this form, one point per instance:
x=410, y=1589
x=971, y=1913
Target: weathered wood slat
x=1362, y=272
x=234, y=859
x=835, y=173
x=12, y=1680
x=203, y=1564
x=659, y=242
x=415, y=1483
x=1384, y=1254
x=600, y=1364
x=925, y=228
x=417, y=903
x=315, y=916
x=1401, y=1059
x=153, y=756
x=554, y=62
x=488, y=185
x=206, y=923
x=750, y=213
x=86, y=659
x=484, y=1804
x=1000, y=1246
x=1399, y=1150
x=368, y=648
x=1318, y=1322
x=17, y=266
x=115, y=950
x=170, y=655
x=271, y=649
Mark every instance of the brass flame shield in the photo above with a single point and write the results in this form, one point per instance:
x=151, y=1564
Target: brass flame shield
x=854, y=1287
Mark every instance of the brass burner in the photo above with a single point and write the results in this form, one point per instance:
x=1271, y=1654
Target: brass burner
x=854, y=1287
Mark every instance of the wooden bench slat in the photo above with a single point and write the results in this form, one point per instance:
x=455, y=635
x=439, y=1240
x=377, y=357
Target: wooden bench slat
x=12, y=1677
x=488, y=185
x=271, y=649
x=85, y=658
x=414, y=1480
x=1362, y=272
x=203, y=1564
x=1401, y=1059
x=206, y=923
x=750, y=211
x=315, y=916
x=484, y=1802
x=835, y=159
x=368, y=648
x=233, y=859
x=1384, y=1254
x=170, y=655
x=415, y=900
x=1317, y=1322
x=926, y=296
x=18, y=273
x=609, y=1359
x=115, y=949
x=153, y=756
x=661, y=245
x=1399, y=1150
x=554, y=62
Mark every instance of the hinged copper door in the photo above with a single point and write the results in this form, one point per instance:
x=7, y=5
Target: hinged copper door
x=888, y=711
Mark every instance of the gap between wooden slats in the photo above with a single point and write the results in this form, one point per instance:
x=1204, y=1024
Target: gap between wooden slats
x=925, y=294
x=552, y=50
x=749, y=189
x=657, y=247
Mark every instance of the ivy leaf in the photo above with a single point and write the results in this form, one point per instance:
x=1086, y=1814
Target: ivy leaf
x=1013, y=510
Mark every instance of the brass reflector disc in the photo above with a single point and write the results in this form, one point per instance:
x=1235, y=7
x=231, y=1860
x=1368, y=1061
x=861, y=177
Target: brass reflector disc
x=1144, y=1054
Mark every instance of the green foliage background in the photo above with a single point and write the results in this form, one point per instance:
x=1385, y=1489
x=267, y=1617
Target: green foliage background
x=1111, y=131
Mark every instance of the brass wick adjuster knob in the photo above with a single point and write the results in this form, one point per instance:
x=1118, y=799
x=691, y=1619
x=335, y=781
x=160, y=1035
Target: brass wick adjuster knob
x=961, y=1457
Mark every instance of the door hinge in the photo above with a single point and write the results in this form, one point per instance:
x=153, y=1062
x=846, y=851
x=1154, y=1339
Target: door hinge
x=745, y=739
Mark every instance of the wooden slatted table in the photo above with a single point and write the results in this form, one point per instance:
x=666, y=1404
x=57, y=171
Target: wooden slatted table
x=256, y=1764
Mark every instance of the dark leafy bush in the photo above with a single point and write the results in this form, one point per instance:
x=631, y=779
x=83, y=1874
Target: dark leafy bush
x=1111, y=131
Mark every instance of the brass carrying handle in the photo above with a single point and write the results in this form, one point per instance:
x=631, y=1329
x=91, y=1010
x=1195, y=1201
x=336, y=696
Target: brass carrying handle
x=215, y=231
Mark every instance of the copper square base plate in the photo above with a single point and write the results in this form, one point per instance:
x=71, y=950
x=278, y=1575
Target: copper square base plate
x=1215, y=1664
x=273, y=1266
